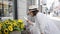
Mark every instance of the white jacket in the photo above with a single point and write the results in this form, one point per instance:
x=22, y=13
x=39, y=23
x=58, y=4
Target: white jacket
x=44, y=25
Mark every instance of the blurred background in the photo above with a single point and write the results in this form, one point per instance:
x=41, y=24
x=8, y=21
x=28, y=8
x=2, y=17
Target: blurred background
x=17, y=9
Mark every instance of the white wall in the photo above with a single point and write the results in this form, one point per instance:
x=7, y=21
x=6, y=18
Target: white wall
x=22, y=8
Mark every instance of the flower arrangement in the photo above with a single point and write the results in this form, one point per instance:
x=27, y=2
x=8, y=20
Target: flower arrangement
x=8, y=26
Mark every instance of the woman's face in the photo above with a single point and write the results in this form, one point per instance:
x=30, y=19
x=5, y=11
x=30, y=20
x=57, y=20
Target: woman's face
x=30, y=13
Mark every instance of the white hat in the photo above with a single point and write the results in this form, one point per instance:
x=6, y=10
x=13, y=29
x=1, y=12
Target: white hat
x=32, y=7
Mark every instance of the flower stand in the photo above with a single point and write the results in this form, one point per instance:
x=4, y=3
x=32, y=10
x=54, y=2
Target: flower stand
x=15, y=32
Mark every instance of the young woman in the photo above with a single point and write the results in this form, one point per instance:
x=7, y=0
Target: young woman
x=42, y=24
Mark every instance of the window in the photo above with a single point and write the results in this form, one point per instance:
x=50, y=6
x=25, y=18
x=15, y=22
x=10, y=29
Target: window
x=6, y=7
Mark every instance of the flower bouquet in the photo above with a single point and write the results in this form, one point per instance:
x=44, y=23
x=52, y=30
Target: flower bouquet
x=8, y=26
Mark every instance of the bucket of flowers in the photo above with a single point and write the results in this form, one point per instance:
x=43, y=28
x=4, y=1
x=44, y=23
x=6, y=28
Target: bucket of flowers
x=9, y=26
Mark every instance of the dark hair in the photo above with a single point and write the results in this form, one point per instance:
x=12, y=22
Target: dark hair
x=34, y=11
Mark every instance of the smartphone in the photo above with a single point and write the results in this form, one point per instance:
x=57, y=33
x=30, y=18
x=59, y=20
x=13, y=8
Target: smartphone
x=25, y=18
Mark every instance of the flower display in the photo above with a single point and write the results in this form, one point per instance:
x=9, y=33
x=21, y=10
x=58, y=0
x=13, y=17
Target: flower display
x=8, y=26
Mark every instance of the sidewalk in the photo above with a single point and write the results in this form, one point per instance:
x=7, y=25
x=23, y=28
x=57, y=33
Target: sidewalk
x=56, y=20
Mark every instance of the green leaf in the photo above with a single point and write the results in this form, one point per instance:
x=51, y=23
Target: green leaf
x=4, y=26
x=17, y=28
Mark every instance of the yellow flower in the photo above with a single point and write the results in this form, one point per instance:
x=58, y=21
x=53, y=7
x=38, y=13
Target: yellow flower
x=0, y=32
x=22, y=25
x=14, y=24
x=20, y=20
x=10, y=28
x=6, y=22
x=5, y=31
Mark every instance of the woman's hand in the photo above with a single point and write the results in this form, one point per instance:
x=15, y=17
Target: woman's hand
x=27, y=20
x=30, y=22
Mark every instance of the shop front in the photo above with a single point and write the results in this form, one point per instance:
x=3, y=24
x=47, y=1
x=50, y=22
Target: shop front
x=9, y=22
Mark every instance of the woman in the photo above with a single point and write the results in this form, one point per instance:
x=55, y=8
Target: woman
x=42, y=24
